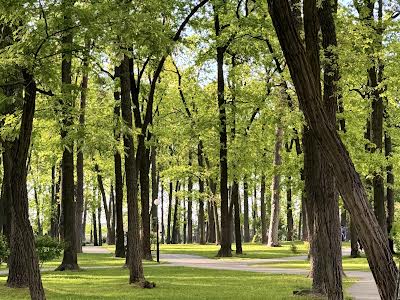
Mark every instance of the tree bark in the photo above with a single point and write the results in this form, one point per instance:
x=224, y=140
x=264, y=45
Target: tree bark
x=348, y=181
x=79, y=159
x=154, y=189
x=273, y=240
x=119, y=193
x=246, y=224
x=264, y=237
x=389, y=190
x=21, y=231
x=70, y=259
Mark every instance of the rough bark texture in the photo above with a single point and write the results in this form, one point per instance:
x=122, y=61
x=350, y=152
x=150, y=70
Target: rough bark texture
x=348, y=180
x=273, y=240
x=119, y=193
x=21, y=230
x=70, y=259
x=389, y=189
x=136, y=274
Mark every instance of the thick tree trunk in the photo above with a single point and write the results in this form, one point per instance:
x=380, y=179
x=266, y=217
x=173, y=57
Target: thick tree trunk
x=21, y=230
x=70, y=259
x=136, y=274
x=273, y=240
x=246, y=225
x=348, y=181
x=119, y=193
x=264, y=237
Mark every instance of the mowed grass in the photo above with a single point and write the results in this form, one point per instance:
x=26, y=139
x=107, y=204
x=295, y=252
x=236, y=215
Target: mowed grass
x=249, y=250
x=172, y=283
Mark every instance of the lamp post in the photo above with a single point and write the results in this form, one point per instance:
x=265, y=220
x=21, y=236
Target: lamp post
x=157, y=203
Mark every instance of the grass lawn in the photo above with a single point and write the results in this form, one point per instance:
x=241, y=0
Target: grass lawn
x=349, y=264
x=172, y=283
x=249, y=250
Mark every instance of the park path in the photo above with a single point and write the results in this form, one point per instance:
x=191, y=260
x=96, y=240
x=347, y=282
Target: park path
x=363, y=289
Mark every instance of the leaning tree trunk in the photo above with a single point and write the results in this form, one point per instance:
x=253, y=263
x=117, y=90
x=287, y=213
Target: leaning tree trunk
x=21, y=230
x=348, y=180
x=107, y=210
x=136, y=274
x=273, y=240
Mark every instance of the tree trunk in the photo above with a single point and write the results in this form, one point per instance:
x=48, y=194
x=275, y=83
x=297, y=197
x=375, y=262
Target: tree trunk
x=235, y=200
x=304, y=235
x=119, y=193
x=389, y=190
x=136, y=274
x=255, y=211
x=354, y=253
x=246, y=224
x=264, y=237
x=70, y=259
x=154, y=189
x=211, y=222
x=94, y=223
x=190, y=209
x=175, y=224
x=83, y=232
x=144, y=165
x=201, y=228
x=54, y=204
x=38, y=222
x=162, y=215
x=21, y=230
x=171, y=189
x=273, y=240
x=79, y=159
x=348, y=181
x=99, y=224
x=289, y=211
x=225, y=250
x=112, y=215
x=107, y=210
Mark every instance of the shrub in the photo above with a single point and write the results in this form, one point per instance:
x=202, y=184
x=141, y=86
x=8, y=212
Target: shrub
x=47, y=248
x=4, y=250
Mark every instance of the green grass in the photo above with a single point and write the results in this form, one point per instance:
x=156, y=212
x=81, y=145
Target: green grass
x=349, y=264
x=249, y=250
x=172, y=283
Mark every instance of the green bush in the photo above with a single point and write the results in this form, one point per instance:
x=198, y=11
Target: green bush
x=47, y=248
x=4, y=250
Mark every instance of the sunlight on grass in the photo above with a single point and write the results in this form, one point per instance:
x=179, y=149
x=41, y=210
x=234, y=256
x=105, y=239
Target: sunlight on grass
x=249, y=250
x=172, y=283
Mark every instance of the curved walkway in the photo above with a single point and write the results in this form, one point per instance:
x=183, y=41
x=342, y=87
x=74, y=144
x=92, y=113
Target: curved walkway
x=363, y=289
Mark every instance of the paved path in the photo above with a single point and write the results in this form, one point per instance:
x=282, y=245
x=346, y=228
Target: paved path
x=364, y=289
x=95, y=250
